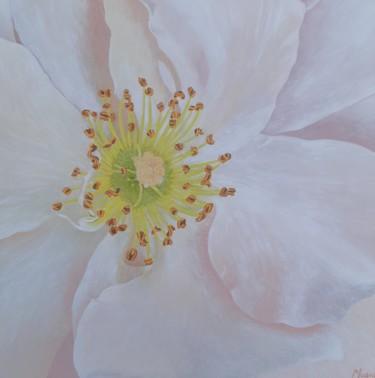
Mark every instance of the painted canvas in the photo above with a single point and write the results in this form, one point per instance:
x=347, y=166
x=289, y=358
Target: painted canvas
x=187, y=188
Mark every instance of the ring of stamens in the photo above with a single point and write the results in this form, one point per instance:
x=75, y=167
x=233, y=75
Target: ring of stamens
x=142, y=171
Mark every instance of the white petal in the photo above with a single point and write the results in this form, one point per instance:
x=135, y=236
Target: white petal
x=41, y=141
x=106, y=268
x=6, y=22
x=70, y=40
x=354, y=124
x=133, y=51
x=237, y=57
x=178, y=321
x=335, y=67
x=39, y=272
x=295, y=245
x=357, y=333
x=310, y=4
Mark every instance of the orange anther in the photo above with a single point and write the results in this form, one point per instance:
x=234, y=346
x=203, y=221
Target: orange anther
x=191, y=92
x=142, y=81
x=181, y=223
x=57, y=206
x=67, y=191
x=90, y=133
x=191, y=198
x=148, y=261
x=185, y=169
x=131, y=254
x=179, y=146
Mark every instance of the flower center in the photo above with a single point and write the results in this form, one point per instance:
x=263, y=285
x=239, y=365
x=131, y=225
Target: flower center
x=146, y=175
x=150, y=169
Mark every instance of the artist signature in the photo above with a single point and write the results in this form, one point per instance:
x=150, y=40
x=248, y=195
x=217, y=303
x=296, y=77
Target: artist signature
x=359, y=373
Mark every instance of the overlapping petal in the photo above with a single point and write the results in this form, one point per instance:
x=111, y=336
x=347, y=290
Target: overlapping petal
x=357, y=334
x=70, y=40
x=6, y=22
x=41, y=141
x=334, y=68
x=39, y=272
x=106, y=268
x=237, y=56
x=310, y=4
x=295, y=245
x=175, y=321
x=133, y=50
x=353, y=124
x=269, y=244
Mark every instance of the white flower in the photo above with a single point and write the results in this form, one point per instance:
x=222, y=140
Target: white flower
x=293, y=246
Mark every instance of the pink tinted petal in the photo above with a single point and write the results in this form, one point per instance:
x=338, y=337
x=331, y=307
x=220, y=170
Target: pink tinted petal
x=295, y=245
x=310, y=4
x=39, y=272
x=70, y=40
x=133, y=50
x=237, y=57
x=357, y=334
x=335, y=67
x=62, y=365
x=105, y=268
x=41, y=142
x=6, y=22
x=353, y=124
x=177, y=321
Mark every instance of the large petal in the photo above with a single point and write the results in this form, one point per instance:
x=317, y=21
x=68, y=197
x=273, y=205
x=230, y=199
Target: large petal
x=6, y=22
x=296, y=243
x=62, y=365
x=353, y=124
x=106, y=268
x=357, y=334
x=335, y=67
x=39, y=272
x=178, y=321
x=133, y=50
x=310, y=3
x=237, y=56
x=70, y=40
x=41, y=141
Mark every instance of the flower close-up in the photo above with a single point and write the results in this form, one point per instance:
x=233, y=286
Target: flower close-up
x=187, y=188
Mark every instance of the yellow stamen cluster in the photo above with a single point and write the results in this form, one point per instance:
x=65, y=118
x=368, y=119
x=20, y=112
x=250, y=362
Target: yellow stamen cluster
x=143, y=179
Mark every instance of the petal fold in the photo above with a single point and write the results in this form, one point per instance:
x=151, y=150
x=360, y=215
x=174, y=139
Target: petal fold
x=70, y=40
x=353, y=124
x=334, y=67
x=39, y=272
x=105, y=268
x=357, y=334
x=41, y=141
x=6, y=22
x=237, y=57
x=133, y=50
x=295, y=245
x=178, y=321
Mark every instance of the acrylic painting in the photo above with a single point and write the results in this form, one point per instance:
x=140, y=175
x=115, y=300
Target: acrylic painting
x=187, y=188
